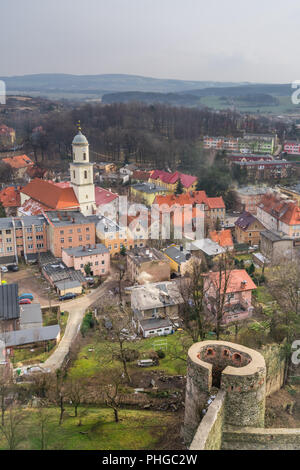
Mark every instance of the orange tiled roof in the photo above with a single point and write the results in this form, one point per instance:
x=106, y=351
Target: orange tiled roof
x=285, y=211
x=50, y=194
x=10, y=197
x=236, y=278
x=19, y=161
x=223, y=238
x=198, y=197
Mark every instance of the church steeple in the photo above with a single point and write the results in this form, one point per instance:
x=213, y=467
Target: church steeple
x=81, y=172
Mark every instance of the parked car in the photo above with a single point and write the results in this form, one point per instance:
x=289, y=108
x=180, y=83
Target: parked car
x=68, y=296
x=12, y=267
x=24, y=301
x=26, y=296
x=4, y=269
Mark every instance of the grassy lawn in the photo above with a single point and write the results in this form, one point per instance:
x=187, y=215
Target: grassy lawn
x=27, y=356
x=96, y=356
x=262, y=295
x=137, y=429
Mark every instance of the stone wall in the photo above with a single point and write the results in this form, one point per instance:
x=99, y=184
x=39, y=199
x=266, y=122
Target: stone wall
x=209, y=433
x=260, y=439
x=274, y=357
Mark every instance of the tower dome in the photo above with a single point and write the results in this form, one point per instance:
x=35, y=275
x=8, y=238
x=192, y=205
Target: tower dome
x=79, y=139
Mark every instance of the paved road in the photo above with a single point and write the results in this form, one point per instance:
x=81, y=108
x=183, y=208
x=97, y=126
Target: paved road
x=76, y=309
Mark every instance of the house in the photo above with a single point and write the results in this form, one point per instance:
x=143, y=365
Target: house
x=276, y=247
x=107, y=202
x=292, y=192
x=69, y=229
x=96, y=256
x=267, y=170
x=9, y=307
x=147, y=192
x=207, y=247
x=56, y=271
x=19, y=163
x=170, y=180
x=140, y=176
x=239, y=287
x=179, y=258
x=10, y=199
x=7, y=136
x=279, y=215
x=223, y=238
x=247, y=229
x=147, y=265
x=212, y=208
x=30, y=337
x=115, y=236
x=155, y=307
x=248, y=197
x=22, y=237
x=31, y=316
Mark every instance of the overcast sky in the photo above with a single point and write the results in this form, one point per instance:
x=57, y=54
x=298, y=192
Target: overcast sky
x=220, y=40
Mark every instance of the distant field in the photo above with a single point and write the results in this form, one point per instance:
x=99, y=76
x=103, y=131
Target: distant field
x=285, y=105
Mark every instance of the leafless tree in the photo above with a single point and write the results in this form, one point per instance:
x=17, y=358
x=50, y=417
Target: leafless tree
x=57, y=393
x=43, y=417
x=6, y=386
x=11, y=428
x=110, y=389
x=75, y=389
x=193, y=312
x=218, y=284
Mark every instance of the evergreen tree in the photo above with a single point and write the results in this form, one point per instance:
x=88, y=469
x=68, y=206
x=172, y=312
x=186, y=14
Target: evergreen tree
x=179, y=187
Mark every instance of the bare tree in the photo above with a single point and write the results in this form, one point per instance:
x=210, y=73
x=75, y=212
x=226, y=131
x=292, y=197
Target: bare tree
x=43, y=416
x=57, y=392
x=6, y=386
x=192, y=311
x=75, y=391
x=110, y=389
x=11, y=428
x=217, y=283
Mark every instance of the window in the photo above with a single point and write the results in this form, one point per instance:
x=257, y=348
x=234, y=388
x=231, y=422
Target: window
x=96, y=263
x=29, y=238
x=9, y=249
x=84, y=156
x=87, y=229
x=8, y=240
x=62, y=240
x=28, y=230
x=73, y=174
x=40, y=245
x=70, y=239
x=70, y=231
x=80, y=238
x=39, y=237
x=79, y=230
x=87, y=237
x=102, y=262
x=81, y=265
x=9, y=231
x=39, y=229
x=85, y=174
x=61, y=232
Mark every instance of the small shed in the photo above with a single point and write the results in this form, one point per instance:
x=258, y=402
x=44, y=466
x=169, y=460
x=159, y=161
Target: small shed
x=68, y=286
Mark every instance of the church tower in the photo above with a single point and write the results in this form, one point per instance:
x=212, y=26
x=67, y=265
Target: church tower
x=82, y=177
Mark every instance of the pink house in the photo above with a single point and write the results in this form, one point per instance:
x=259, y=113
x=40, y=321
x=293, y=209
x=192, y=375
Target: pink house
x=97, y=256
x=239, y=287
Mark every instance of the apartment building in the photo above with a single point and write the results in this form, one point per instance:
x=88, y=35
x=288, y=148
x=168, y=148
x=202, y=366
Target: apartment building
x=249, y=196
x=96, y=256
x=221, y=143
x=292, y=147
x=267, y=170
x=249, y=143
x=279, y=215
x=69, y=229
x=22, y=237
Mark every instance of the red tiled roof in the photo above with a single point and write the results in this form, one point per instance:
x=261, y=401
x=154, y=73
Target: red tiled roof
x=223, y=238
x=50, y=194
x=172, y=178
x=10, y=197
x=18, y=161
x=236, y=278
x=32, y=207
x=141, y=175
x=103, y=196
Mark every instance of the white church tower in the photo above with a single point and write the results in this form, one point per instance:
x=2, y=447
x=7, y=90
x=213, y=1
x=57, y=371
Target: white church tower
x=82, y=177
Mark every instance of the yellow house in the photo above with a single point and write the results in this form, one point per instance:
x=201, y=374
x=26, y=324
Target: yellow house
x=178, y=257
x=114, y=237
x=170, y=180
x=147, y=192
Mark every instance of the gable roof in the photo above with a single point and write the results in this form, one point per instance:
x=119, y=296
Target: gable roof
x=286, y=211
x=31, y=335
x=172, y=178
x=18, y=161
x=9, y=302
x=192, y=197
x=50, y=194
x=245, y=220
x=223, y=238
x=104, y=196
x=239, y=280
